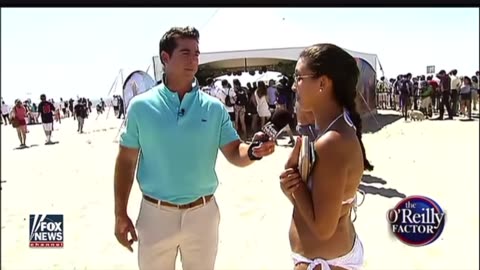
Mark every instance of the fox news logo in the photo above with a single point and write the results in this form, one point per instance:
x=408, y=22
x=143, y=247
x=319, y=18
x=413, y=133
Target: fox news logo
x=417, y=220
x=46, y=231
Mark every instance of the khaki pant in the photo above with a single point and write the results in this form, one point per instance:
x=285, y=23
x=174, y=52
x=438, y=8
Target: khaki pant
x=426, y=103
x=163, y=231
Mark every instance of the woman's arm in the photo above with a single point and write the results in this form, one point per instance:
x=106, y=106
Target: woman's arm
x=321, y=208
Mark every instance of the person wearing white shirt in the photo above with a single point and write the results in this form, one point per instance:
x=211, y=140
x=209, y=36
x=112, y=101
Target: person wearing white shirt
x=455, y=85
x=226, y=92
x=5, y=113
x=210, y=88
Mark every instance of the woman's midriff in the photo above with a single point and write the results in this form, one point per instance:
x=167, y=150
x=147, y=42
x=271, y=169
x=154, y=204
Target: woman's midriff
x=304, y=242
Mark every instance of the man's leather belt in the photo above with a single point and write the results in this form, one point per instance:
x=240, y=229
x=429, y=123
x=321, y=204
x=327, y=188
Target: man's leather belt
x=199, y=201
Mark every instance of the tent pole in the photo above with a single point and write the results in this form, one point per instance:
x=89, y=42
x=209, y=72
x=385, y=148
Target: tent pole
x=109, y=107
x=114, y=83
x=368, y=107
x=245, y=62
x=121, y=76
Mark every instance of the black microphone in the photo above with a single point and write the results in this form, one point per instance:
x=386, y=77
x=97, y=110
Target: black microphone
x=280, y=119
x=181, y=112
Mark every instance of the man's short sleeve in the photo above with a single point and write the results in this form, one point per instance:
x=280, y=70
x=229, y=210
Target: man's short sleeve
x=130, y=135
x=228, y=133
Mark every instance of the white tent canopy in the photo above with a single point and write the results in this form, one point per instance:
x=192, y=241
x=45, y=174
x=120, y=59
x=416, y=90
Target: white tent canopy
x=264, y=57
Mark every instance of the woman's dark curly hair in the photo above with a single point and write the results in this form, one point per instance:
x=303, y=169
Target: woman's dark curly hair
x=340, y=67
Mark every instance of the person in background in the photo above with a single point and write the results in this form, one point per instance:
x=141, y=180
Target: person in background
x=396, y=88
x=445, y=84
x=272, y=95
x=251, y=110
x=475, y=91
x=121, y=108
x=57, y=115
x=250, y=88
x=63, y=109
x=406, y=90
x=99, y=109
x=263, y=108
x=66, y=111
x=283, y=93
x=210, y=88
x=46, y=109
x=466, y=97
x=80, y=113
x=434, y=87
x=241, y=100
x=115, y=104
x=426, y=97
x=226, y=95
x=455, y=84
x=17, y=118
x=33, y=114
x=382, y=88
x=70, y=107
x=89, y=103
x=5, y=113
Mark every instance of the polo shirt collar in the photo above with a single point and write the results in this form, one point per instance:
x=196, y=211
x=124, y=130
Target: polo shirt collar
x=195, y=85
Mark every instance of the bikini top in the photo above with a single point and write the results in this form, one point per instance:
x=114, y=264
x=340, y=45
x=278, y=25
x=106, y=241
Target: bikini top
x=352, y=200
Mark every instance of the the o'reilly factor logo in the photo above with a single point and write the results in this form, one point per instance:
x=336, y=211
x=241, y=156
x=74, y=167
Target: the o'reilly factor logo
x=46, y=231
x=416, y=220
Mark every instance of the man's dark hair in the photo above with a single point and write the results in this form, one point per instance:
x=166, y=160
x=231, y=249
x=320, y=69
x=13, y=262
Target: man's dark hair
x=382, y=78
x=224, y=83
x=209, y=81
x=168, y=43
x=236, y=82
x=43, y=97
x=454, y=72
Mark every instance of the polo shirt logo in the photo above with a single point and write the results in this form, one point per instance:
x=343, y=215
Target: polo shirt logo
x=204, y=120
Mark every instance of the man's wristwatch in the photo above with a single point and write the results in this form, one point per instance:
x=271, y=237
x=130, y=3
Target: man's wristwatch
x=251, y=156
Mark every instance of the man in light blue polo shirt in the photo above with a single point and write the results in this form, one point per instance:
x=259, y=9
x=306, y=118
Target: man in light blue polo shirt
x=174, y=131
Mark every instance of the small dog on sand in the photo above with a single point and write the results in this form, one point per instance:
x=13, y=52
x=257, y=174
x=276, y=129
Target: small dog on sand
x=416, y=115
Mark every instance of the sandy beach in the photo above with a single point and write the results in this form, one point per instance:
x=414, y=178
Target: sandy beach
x=75, y=178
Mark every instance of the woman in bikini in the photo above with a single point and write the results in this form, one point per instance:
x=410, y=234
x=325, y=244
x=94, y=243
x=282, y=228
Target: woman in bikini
x=322, y=235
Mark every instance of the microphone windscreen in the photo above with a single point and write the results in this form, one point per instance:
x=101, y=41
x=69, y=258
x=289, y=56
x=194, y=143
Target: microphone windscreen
x=280, y=119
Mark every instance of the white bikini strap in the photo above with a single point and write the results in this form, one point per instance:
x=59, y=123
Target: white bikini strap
x=333, y=122
x=311, y=263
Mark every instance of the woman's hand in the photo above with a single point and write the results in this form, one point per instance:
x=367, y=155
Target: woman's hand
x=290, y=180
x=292, y=161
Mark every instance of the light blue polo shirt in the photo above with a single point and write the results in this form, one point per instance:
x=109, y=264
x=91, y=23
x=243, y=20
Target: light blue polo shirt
x=178, y=151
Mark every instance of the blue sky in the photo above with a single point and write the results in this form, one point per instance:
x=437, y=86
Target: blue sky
x=65, y=52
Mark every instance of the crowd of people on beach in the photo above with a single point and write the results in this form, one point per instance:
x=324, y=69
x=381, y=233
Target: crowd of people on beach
x=251, y=106
x=47, y=112
x=458, y=95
